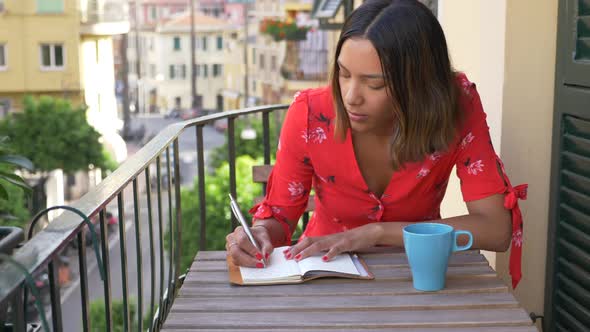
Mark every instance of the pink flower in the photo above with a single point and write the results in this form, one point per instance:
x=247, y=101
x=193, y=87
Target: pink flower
x=435, y=157
x=296, y=95
x=423, y=172
x=305, y=136
x=475, y=167
x=466, y=140
x=466, y=87
x=296, y=189
x=317, y=135
x=517, y=238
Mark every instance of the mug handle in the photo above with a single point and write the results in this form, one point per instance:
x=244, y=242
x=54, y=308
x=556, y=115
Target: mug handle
x=465, y=247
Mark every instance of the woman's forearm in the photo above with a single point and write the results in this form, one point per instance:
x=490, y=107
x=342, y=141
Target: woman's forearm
x=492, y=235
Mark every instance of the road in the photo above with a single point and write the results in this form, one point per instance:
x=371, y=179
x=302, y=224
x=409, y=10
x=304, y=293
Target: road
x=71, y=308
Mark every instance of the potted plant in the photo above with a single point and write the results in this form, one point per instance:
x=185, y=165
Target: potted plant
x=11, y=186
x=283, y=30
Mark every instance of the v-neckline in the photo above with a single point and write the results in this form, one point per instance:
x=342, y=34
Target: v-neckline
x=359, y=174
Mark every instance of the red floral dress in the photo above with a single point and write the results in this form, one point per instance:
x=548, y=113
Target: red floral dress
x=308, y=156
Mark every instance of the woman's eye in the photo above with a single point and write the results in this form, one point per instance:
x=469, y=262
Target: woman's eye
x=377, y=87
x=344, y=75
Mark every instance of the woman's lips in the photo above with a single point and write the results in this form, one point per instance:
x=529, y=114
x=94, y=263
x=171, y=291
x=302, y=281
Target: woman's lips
x=357, y=117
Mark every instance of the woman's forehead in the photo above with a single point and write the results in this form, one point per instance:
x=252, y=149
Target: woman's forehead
x=359, y=56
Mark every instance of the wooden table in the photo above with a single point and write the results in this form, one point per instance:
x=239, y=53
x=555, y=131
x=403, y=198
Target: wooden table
x=474, y=299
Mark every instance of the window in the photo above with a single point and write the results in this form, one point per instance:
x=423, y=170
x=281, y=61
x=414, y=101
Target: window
x=4, y=107
x=253, y=56
x=219, y=43
x=176, y=43
x=253, y=86
x=205, y=70
x=273, y=62
x=50, y=6
x=154, y=13
x=1, y=5
x=172, y=72
x=2, y=56
x=204, y=43
x=198, y=70
x=261, y=61
x=183, y=71
x=153, y=70
x=52, y=56
x=217, y=70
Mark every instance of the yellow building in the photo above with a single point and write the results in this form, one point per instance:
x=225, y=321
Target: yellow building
x=63, y=48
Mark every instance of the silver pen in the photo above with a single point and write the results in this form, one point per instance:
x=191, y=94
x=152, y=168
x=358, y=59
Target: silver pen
x=238, y=214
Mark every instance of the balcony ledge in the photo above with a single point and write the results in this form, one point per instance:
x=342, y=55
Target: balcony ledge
x=105, y=28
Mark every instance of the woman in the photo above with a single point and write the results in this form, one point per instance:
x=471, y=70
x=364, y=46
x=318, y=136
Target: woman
x=379, y=144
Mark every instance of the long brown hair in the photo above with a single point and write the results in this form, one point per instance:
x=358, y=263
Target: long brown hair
x=414, y=58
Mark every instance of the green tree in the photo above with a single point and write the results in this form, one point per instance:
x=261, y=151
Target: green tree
x=12, y=187
x=217, y=209
x=54, y=135
x=98, y=319
x=253, y=148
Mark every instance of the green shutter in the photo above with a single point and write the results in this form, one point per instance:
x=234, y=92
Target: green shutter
x=50, y=6
x=567, y=297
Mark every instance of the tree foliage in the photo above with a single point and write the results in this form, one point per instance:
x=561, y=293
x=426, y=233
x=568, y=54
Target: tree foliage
x=53, y=135
x=218, y=212
x=98, y=319
x=12, y=186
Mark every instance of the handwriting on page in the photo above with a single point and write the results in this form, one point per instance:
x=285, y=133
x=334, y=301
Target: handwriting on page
x=278, y=267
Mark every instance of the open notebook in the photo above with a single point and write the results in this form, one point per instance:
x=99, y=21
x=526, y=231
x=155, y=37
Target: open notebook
x=279, y=270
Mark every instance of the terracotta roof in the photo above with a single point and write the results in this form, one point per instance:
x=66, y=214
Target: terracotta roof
x=184, y=20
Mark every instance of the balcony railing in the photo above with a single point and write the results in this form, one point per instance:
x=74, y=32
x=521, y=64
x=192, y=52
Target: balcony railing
x=303, y=63
x=104, y=17
x=121, y=191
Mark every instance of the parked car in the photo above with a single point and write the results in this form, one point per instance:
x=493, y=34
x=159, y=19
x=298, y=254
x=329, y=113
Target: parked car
x=173, y=114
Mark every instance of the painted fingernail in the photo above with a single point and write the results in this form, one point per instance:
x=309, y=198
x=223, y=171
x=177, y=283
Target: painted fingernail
x=298, y=257
x=259, y=265
x=258, y=256
x=325, y=258
x=266, y=256
x=286, y=250
x=288, y=255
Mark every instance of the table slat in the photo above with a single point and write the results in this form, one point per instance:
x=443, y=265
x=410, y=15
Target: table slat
x=351, y=319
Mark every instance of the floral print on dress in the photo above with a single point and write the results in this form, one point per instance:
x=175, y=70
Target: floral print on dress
x=466, y=140
x=296, y=189
x=317, y=135
x=475, y=167
x=297, y=94
x=435, y=157
x=517, y=238
x=466, y=86
x=324, y=120
x=422, y=173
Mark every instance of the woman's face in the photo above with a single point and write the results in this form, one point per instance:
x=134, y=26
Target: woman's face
x=362, y=85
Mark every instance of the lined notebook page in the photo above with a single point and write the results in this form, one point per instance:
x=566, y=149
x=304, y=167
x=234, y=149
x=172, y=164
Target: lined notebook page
x=278, y=267
x=342, y=263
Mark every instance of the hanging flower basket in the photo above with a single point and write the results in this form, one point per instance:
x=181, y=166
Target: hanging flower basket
x=281, y=30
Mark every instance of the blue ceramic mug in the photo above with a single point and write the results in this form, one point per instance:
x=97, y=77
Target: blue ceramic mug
x=428, y=247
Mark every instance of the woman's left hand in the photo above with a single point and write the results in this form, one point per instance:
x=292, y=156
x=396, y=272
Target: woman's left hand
x=358, y=238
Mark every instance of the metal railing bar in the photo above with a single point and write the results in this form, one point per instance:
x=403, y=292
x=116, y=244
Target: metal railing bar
x=231, y=148
x=35, y=254
x=138, y=255
x=148, y=186
x=86, y=324
x=201, y=184
x=18, y=320
x=171, y=281
x=160, y=232
x=107, y=277
x=55, y=296
x=123, y=251
x=178, y=216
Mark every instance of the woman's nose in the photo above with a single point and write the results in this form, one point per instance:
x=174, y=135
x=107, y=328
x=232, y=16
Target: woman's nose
x=353, y=95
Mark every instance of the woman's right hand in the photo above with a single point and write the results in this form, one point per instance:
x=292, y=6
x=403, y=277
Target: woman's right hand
x=243, y=252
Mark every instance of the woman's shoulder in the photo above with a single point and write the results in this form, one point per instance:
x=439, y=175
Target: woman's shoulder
x=313, y=102
x=469, y=101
